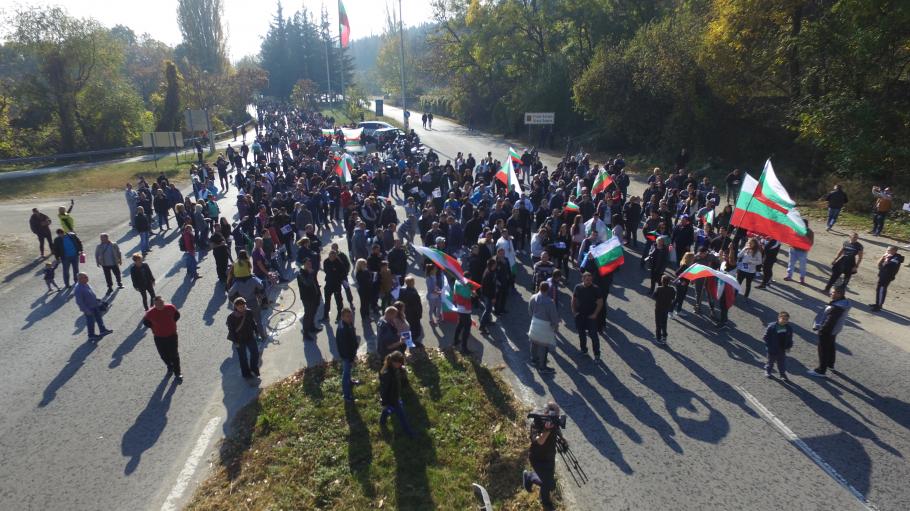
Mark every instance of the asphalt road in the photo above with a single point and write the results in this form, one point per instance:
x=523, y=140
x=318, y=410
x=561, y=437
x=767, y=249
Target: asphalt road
x=90, y=426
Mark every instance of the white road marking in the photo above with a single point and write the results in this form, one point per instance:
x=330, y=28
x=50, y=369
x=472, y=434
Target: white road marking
x=799, y=443
x=189, y=468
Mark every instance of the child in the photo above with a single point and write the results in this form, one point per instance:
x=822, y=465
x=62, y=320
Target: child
x=779, y=339
x=49, y=270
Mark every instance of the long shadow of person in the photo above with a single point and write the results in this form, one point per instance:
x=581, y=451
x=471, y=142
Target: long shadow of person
x=216, y=303
x=149, y=425
x=360, y=448
x=28, y=268
x=45, y=309
x=127, y=346
x=413, y=456
x=69, y=370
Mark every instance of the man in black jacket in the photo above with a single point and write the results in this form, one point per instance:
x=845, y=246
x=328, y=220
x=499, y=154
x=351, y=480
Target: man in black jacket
x=347, y=343
x=836, y=199
x=143, y=280
x=309, y=295
x=413, y=309
x=242, y=326
x=888, y=266
x=542, y=455
x=335, y=273
x=631, y=214
x=40, y=224
x=664, y=297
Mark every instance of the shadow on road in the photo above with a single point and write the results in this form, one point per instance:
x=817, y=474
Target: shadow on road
x=149, y=425
x=28, y=268
x=69, y=370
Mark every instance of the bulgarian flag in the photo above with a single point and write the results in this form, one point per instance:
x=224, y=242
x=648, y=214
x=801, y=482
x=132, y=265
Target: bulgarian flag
x=343, y=168
x=608, y=256
x=514, y=156
x=344, y=26
x=602, y=182
x=571, y=207
x=764, y=207
x=700, y=271
x=507, y=175
x=455, y=302
x=596, y=224
x=709, y=217
x=446, y=262
x=723, y=292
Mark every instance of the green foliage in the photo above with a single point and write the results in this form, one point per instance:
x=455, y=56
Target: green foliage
x=203, y=34
x=170, y=114
x=824, y=86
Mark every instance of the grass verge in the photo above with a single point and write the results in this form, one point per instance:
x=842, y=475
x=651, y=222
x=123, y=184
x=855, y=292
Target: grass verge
x=896, y=226
x=102, y=177
x=299, y=447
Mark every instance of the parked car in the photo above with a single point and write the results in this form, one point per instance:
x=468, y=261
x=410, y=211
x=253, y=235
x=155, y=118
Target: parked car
x=369, y=127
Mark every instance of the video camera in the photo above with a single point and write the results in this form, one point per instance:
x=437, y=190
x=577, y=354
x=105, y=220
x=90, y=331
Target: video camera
x=558, y=420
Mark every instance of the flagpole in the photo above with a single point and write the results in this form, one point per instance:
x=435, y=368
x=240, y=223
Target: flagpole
x=341, y=53
x=328, y=73
x=404, y=105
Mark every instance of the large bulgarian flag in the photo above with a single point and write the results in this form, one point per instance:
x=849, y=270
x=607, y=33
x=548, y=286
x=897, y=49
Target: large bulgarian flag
x=344, y=26
x=764, y=207
x=608, y=256
x=446, y=262
x=602, y=182
x=343, y=167
x=508, y=177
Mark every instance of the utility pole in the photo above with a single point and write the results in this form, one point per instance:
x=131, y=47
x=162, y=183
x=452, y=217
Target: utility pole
x=328, y=73
x=404, y=104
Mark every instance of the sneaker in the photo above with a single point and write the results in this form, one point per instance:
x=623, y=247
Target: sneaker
x=802, y=281
x=119, y=285
x=874, y=307
x=815, y=373
x=526, y=481
x=546, y=370
x=671, y=314
x=178, y=378
x=681, y=314
x=769, y=376
x=788, y=279
x=106, y=331
x=93, y=338
x=784, y=378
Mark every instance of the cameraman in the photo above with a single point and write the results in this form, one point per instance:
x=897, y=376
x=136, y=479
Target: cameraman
x=542, y=455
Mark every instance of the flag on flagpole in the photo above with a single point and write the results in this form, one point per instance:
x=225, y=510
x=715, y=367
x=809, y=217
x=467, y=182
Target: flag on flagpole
x=764, y=207
x=507, y=176
x=344, y=26
x=608, y=255
x=445, y=262
x=700, y=271
x=602, y=182
x=514, y=156
x=596, y=224
x=343, y=168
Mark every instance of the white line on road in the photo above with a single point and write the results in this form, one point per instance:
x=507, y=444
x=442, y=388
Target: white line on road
x=183, y=480
x=798, y=442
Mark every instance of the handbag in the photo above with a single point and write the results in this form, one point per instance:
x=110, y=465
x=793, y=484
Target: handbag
x=541, y=332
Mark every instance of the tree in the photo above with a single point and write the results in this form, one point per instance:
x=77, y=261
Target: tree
x=304, y=93
x=203, y=35
x=170, y=114
x=66, y=53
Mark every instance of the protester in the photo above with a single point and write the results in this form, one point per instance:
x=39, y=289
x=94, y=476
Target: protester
x=49, y=279
x=747, y=264
x=243, y=325
x=586, y=305
x=664, y=297
x=162, y=320
x=881, y=208
x=392, y=378
x=40, y=225
x=90, y=306
x=888, y=265
x=108, y=258
x=829, y=322
x=143, y=280
x=309, y=295
x=67, y=249
x=846, y=262
x=778, y=339
x=347, y=341
x=836, y=199
x=67, y=222
x=544, y=327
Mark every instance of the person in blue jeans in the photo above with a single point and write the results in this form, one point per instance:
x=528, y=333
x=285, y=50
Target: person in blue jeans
x=392, y=378
x=489, y=287
x=586, y=304
x=66, y=248
x=143, y=225
x=347, y=342
x=836, y=199
x=90, y=306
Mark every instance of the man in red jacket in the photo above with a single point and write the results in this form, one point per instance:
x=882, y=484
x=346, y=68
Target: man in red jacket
x=162, y=319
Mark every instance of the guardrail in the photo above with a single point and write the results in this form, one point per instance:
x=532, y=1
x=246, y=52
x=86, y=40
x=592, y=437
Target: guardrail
x=90, y=155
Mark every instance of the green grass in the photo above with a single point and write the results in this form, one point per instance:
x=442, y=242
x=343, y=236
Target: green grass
x=897, y=225
x=299, y=447
x=102, y=177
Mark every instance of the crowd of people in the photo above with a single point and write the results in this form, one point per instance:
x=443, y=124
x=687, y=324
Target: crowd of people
x=296, y=187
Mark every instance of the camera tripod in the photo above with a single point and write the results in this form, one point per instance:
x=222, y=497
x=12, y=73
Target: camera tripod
x=571, y=461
